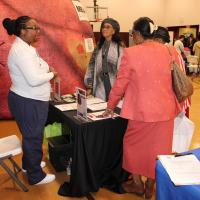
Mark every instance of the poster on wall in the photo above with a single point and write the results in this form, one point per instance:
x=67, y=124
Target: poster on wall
x=66, y=52
x=89, y=45
x=187, y=32
x=80, y=11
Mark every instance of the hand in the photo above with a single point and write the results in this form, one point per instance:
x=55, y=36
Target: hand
x=89, y=91
x=55, y=74
x=108, y=112
x=51, y=69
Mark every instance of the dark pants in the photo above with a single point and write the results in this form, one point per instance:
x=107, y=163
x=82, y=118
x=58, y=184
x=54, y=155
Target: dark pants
x=30, y=116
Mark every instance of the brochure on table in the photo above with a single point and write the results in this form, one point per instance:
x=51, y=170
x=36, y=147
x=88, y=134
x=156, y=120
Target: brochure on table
x=94, y=100
x=95, y=104
x=67, y=107
x=95, y=116
x=81, y=103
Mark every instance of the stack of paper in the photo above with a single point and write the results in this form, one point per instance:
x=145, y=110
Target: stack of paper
x=67, y=107
x=182, y=170
x=97, y=106
x=97, y=116
x=94, y=100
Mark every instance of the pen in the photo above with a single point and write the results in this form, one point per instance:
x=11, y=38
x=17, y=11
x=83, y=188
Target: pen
x=178, y=155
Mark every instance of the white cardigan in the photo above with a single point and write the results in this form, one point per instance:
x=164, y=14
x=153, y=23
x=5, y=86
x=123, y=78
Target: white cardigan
x=29, y=73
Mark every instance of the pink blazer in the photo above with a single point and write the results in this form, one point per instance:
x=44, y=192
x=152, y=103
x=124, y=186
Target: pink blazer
x=144, y=79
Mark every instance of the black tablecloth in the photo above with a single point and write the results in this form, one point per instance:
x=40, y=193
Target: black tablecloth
x=97, y=153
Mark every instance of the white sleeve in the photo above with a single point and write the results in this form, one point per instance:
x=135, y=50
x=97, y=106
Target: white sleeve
x=181, y=47
x=194, y=47
x=28, y=65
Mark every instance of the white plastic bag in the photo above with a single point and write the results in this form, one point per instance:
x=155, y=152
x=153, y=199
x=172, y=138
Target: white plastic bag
x=183, y=131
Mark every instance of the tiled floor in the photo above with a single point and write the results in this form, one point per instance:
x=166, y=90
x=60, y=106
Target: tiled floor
x=49, y=192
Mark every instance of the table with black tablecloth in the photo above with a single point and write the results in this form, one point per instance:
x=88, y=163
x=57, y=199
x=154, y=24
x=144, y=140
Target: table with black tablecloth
x=97, y=153
x=166, y=190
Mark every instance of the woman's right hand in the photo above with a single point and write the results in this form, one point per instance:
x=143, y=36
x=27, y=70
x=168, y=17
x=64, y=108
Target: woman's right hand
x=108, y=112
x=89, y=91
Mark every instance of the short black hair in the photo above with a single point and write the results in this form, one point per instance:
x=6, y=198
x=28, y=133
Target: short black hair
x=14, y=26
x=181, y=36
x=142, y=25
x=162, y=33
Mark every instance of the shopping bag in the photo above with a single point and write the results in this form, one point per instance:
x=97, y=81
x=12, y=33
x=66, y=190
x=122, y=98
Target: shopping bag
x=182, y=135
x=52, y=130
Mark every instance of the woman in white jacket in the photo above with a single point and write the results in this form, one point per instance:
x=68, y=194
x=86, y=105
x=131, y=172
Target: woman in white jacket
x=29, y=94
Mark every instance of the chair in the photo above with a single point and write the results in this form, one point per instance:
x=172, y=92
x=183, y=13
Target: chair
x=193, y=63
x=9, y=147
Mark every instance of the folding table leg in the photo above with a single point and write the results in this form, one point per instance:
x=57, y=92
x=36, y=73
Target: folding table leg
x=90, y=197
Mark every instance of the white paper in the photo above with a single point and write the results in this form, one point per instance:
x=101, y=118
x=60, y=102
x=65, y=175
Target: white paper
x=89, y=45
x=98, y=106
x=182, y=170
x=80, y=11
x=94, y=116
x=67, y=107
x=94, y=100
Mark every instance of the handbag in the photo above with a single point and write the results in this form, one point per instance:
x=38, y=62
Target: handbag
x=181, y=84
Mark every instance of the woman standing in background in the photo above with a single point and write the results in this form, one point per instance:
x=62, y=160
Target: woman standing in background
x=102, y=70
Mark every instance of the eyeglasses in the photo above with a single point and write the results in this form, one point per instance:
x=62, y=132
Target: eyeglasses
x=106, y=27
x=32, y=28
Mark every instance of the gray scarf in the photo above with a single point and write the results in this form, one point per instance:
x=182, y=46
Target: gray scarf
x=93, y=76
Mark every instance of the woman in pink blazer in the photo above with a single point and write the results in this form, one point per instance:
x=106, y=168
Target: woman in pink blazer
x=150, y=105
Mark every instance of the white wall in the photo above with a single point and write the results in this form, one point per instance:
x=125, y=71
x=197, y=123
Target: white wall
x=163, y=12
x=127, y=11
x=182, y=12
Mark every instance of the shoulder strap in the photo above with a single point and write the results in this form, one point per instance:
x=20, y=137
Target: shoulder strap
x=171, y=53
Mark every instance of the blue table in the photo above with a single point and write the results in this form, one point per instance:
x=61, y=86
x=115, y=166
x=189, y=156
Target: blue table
x=166, y=190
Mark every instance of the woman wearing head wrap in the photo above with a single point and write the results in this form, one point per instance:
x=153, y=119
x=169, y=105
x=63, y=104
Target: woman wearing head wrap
x=150, y=105
x=162, y=35
x=102, y=70
x=29, y=94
